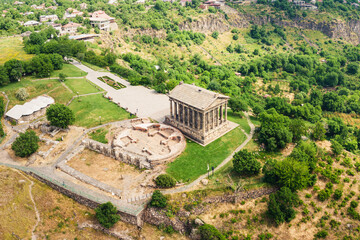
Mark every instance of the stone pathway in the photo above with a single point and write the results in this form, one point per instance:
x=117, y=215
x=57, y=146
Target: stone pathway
x=138, y=100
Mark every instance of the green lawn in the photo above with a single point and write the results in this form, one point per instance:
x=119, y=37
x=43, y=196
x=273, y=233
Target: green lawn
x=51, y=87
x=193, y=161
x=12, y=48
x=88, y=109
x=93, y=67
x=99, y=135
x=70, y=71
x=81, y=86
x=239, y=119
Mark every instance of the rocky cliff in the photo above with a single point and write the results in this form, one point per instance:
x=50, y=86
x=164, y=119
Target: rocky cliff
x=349, y=31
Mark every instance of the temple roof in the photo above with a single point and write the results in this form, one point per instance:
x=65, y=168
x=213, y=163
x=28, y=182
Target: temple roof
x=196, y=97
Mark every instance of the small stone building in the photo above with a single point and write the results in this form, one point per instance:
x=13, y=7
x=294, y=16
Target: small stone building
x=198, y=113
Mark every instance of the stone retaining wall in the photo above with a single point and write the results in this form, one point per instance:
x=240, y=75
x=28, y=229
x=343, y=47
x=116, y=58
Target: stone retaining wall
x=125, y=217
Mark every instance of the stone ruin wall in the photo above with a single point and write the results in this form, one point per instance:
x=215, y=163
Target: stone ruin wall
x=117, y=153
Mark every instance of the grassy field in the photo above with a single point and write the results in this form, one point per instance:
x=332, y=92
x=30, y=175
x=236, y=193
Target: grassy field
x=193, y=161
x=237, y=118
x=99, y=135
x=70, y=71
x=88, y=110
x=12, y=48
x=81, y=86
x=52, y=87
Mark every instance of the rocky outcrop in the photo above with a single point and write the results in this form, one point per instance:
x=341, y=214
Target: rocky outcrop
x=210, y=23
x=336, y=28
x=158, y=217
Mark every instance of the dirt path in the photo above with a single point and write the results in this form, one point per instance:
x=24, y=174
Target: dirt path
x=33, y=236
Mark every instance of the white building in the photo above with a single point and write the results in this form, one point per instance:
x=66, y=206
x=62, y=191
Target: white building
x=31, y=23
x=101, y=23
x=48, y=18
x=30, y=110
x=70, y=28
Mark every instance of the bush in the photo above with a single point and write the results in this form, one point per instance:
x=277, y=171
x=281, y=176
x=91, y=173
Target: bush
x=21, y=94
x=280, y=205
x=60, y=115
x=321, y=234
x=209, y=232
x=354, y=204
x=215, y=34
x=245, y=163
x=165, y=181
x=26, y=144
x=336, y=147
x=158, y=200
x=106, y=214
x=337, y=194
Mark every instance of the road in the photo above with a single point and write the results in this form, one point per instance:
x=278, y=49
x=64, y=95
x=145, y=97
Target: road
x=138, y=100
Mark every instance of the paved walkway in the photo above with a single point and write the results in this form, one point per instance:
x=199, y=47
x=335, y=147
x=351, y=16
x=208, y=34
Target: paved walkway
x=197, y=181
x=138, y=100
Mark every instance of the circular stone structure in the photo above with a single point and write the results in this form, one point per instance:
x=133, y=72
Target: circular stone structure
x=158, y=143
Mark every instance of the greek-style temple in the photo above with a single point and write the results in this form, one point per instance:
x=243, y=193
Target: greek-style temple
x=200, y=114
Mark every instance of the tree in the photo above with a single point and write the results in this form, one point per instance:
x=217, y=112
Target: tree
x=158, y=200
x=292, y=174
x=331, y=79
x=62, y=77
x=319, y=131
x=42, y=65
x=280, y=205
x=352, y=68
x=60, y=115
x=237, y=105
x=336, y=147
x=4, y=78
x=274, y=130
x=21, y=94
x=106, y=214
x=215, y=34
x=26, y=144
x=14, y=69
x=209, y=232
x=2, y=133
x=298, y=129
x=165, y=181
x=245, y=163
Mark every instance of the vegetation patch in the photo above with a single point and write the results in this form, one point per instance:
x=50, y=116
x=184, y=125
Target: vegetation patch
x=111, y=82
x=95, y=110
x=81, y=86
x=194, y=160
x=99, y=135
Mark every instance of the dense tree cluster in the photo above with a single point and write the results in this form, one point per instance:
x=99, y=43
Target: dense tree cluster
x=26, y=144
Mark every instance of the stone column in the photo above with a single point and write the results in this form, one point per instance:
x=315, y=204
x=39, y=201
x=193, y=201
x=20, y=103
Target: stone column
x=225, y=112
x=176, y=111
x=193, y=118
x=186, y=119
x=212, y=119
x=221, y=114
x=171, y=110
x=203, y=114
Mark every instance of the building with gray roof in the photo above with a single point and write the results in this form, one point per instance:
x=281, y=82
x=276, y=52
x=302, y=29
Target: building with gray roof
x=29, y=110
x=199, y=113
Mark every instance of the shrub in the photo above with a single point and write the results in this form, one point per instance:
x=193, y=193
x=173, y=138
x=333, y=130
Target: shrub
x=215, y=34
x=337, y=194
x=26, y=144
x=265, y=236
x=280, y=205
x=324, y=194
x=208, y=232
x=106, y=214
x=21, y=94
x=354, y=204
x=336, y=147
x=158, y=200
x=165, y=181
x=60, y=115
x=321, y=234
x=245, y=163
